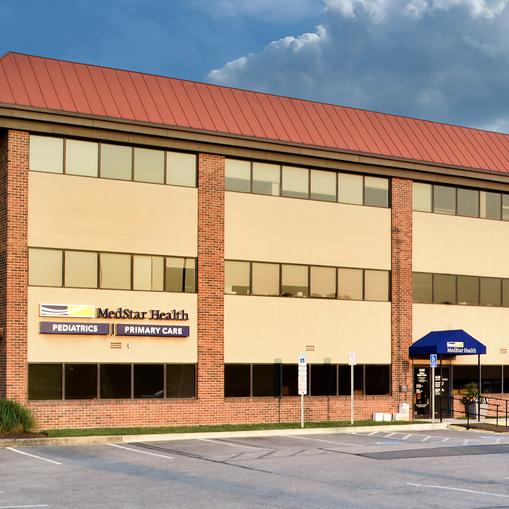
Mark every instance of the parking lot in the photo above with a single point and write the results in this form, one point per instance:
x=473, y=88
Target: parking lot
x=453, y=469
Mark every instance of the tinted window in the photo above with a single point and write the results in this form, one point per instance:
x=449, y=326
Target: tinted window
x=491, y=291
x=45, y=381
x=294, y=281
x=266, y=380
x=295, y=182
x=180, y=380
x=181, y=169
x=491, y=379
x=80, y=269
x=46, y=154
x=180, y=275
x=265, y=279
x=237, y=175
x=266, y=179
x=344, y=379
x=422, y=197
x=350, y=283
x=463, y=375
x=505, y=207
x=376, y=191
x=237, y=380
x=81, y=158
x=323, y=282
x=116, y=162
x=468, y=202
x=236, y=277
x=377, y=379
x=115, y=271
x=350, y=188
x=444, y=200
x=376, y=285
x=148, y=381
x=149, y=165
x=115, y=381
x=323, y=379
x=422, y=287
x=148, y=273
x=45, y=267
x=491, y=205
x=444, y=289
x=289, y=380
x=468, y=290
x=323, y=185
x=80, y=381
x=505, y=293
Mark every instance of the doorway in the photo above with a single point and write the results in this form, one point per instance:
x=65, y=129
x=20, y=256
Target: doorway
x=422, y=392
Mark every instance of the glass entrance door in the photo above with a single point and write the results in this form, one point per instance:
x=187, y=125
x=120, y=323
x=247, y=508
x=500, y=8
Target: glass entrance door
x=422, y=392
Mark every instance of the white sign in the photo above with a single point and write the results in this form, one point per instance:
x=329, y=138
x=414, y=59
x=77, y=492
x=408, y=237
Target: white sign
x=302, y=378
x=352, y=358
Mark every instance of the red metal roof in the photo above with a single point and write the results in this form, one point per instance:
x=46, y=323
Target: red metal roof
x=101, y=91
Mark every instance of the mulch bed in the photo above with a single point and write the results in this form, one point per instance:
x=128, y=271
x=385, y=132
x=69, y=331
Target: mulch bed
x=7, y=436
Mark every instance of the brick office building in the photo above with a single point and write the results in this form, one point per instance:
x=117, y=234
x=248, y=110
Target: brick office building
x=170, y=247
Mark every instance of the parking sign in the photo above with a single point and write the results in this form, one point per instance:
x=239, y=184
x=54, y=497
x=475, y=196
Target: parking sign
x=433, y=360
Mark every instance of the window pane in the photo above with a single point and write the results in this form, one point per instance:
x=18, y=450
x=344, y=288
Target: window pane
x=323, y=379
x=376, y=191
x=422, y=197
x=506, y=379
x=491, y=379
x=81, y=158
x=444, y=289
x=444, y=199
x=350, y=188
x=266, y=179
x=45, y=381
x=236, y=278
x=148, y=381
x=180, y=275
x=115, y=271
x=289, y=380
x=80, y=269
x=149, y=165
x=266, y=380
x=377, y=379
x=46, y=154
x=350, y=284
x=344, y=378
x=148, y=273
x=45, y=267
x=294, y=281
x=505, y=207
x=116, y=162
x=323, y=282
x=295, y=182
x=505, y=293
x=265, y=279
x=237, y=175
x=463, y=375
x=491, y=291
x=80, y=381
x=115, y=381
x=468, y=290
x=181, y=381
x=376, y=285
x=422, y=287
x=491, y=205
x=237, y=380
x=468, y=202
x=323, y=185
x=181, y=169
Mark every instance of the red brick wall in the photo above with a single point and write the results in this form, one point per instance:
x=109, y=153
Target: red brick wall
x=13, y=264
x=401, y=298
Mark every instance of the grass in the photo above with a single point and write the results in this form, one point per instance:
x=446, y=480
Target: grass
x=201, y=429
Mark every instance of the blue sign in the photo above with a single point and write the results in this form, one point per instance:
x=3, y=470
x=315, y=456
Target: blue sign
x=165, y=331
x=433, y=360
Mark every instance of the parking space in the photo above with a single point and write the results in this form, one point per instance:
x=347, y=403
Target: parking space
x=370, y=469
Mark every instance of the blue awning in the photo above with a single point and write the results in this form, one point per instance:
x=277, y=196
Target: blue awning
x=447, y=342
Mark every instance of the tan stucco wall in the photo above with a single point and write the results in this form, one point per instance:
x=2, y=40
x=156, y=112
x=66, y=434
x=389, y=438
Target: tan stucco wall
x=75, y=348
x=262, y=329
x=489, y=325
x=460, y=245
x=111, y=215
x=277, y=229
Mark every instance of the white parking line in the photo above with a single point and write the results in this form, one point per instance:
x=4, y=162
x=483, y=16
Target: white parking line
x=233, y=445
x=450, y=488
x=407, y=436
x=33, y=456
x=22, y=506
x=390, y=435
x=141, y=452
x=427, y=437
x=372, y=433
x=326, y=441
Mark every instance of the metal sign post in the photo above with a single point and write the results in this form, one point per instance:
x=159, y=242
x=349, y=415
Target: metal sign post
x=302, y=384
x=352, y=356
x=433, y=365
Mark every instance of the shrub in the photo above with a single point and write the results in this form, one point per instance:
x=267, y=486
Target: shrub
x=14, y=417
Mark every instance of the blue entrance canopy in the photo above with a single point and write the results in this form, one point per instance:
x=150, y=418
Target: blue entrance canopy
x=447, y=342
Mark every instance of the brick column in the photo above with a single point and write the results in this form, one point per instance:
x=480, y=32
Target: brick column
x=210, y=277
x=401, y=297
x=14, y=153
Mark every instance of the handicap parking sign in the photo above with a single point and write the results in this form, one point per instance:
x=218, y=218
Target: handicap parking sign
x=433, y=360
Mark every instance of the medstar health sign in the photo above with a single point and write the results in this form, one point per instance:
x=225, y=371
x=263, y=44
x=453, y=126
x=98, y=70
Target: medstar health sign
x=103, y=329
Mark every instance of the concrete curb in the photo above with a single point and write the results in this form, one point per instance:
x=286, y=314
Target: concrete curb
x=159, y=437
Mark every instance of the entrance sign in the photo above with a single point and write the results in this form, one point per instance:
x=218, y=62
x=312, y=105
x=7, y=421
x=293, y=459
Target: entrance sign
x=302, y=382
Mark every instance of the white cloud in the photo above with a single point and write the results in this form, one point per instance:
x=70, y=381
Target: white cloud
x=440, y=59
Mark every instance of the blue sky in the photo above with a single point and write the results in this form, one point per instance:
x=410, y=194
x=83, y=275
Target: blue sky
x=445, y=60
